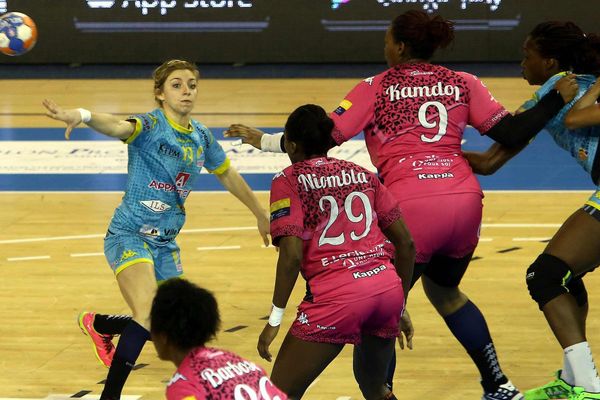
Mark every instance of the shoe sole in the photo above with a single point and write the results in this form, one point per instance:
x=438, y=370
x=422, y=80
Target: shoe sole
x=85, y=332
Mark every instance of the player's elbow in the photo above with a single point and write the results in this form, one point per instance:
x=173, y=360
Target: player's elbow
x=571, y=121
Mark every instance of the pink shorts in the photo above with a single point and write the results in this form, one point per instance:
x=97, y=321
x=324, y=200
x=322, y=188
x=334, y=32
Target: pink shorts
x=378, y=315
x=446, y=225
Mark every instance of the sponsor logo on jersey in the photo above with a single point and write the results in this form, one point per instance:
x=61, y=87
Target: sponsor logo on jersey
x=395, y=92
x=168, y=151
x=416, y=73
x=444, y=175
x=313, y=182
x=180, y=181
x=156, y=206
x=369, y=273
x=280, y=208
x=229, y=371
x=153, y=231
x=369, y=80
x=343, y=107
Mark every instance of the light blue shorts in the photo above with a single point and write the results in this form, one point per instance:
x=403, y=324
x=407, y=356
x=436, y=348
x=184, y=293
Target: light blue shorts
x=123, y=250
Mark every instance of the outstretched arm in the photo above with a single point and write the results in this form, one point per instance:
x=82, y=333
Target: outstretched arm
x=257, y=138
x=236, y=185
x=586, y=111
x=490, y=161
x=106, y=124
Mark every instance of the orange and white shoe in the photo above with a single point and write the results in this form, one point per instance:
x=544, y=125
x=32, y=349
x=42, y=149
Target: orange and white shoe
x=103, y=345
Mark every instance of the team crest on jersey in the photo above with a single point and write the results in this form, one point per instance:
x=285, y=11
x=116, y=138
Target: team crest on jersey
x=582, y=154
x=280, y=208
x=343, y=107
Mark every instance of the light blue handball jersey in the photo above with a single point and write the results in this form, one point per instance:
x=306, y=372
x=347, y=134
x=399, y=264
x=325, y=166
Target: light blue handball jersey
x=164, y=161
x=581, y=143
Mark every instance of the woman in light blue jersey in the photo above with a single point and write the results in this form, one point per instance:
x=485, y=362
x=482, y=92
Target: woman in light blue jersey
x=166, y=151
x=554, y=279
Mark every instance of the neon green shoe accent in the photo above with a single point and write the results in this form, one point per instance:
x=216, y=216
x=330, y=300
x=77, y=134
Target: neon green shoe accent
x=557, y=389
x=580, y=394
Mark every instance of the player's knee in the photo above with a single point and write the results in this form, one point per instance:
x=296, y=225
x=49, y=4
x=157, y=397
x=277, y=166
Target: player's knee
x=547, y=278
x=577, y=290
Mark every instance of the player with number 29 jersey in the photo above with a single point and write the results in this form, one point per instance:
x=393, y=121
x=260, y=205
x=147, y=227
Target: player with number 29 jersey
x=339, y=210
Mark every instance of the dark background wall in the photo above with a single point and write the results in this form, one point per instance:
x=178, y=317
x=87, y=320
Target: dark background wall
x=274, y=31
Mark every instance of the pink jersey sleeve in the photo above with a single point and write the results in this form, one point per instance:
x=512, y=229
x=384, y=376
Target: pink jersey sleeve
x=386, y=206
x=356, y=111
x=286, y=209
x=184, y=390
x=484, y=109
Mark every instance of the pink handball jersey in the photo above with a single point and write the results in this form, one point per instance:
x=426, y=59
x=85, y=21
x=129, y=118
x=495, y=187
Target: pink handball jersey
x=413, y=117
x=339, y=210
x=208, y=373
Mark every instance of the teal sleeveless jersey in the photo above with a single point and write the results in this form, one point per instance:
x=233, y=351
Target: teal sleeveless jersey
x=581, y=143
x=164, y=161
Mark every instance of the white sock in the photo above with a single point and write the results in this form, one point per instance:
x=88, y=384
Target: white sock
x=566, y=374
x=583, y=369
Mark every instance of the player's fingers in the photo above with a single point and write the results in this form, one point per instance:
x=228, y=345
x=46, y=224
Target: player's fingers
x=401, y=341
x=409, y=343
x=265, y=239
x=68, y=132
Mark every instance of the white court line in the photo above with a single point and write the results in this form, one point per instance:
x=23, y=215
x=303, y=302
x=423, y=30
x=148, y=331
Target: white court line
x=219, y=248
x=86, y=397
x=524, y=225
x=240, y=228
x=101, y=235
x=28, y=258
x=530, y=239
x=85, y=255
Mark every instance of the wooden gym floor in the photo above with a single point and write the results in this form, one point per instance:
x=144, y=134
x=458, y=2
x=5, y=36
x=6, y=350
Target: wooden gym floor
x=51, y=264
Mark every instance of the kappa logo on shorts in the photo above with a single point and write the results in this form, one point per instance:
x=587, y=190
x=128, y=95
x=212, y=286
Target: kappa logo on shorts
x=127, y=254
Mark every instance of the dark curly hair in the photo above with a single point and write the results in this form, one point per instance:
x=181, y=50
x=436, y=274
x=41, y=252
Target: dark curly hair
x=422, y=33
x=311, y=126
x=187, y=314
x=567, y=43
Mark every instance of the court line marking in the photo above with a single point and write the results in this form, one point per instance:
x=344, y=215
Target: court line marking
x=101, y=235
x=527, y=191
x=28, y=258
x=87, y=254
x=242, y=228
x=209, y=248
x=530, y=239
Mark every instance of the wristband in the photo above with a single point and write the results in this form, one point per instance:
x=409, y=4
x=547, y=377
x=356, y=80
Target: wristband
x=271, y=143
x=86, y=115
x=276, y=316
